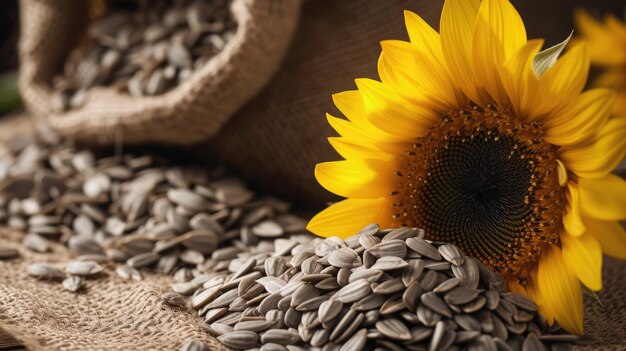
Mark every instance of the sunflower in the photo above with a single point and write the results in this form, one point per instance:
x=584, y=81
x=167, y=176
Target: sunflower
x=484, y=143
x=607, y=50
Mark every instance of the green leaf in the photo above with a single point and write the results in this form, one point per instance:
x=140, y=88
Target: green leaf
x=9, y=93
x=546, y=58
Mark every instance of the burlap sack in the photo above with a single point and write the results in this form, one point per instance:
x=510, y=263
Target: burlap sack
x=120, y=315
x=193, y=111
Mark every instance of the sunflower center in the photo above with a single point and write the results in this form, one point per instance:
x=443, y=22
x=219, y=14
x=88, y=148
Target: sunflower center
x=487, y=183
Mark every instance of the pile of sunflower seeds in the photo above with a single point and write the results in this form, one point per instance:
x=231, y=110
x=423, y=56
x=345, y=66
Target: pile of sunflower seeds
x=387, y=290
x=140, y=211
x=145, y=52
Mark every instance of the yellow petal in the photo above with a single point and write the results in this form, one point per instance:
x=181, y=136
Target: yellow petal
x=562, y=173
x=572, y=220
x=584, y=256
x=532, y=289
x=520, y=82
x=498, y=35
x=416, y=76
x=351, y=150
x=561, y=290
x=358, y=178
x=564, y=81
x=580, y=122
x=605, y=47
x=391, y=113
x=423, y=36
x=603, y=198
x=610, y=235
x=359, y=133
x=350, y=103
x=616, y=26
x=347, y=217
x=458, y=19
x=599, y=158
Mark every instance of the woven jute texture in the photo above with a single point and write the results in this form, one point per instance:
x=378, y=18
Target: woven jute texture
x=112, y=314
x=119, y=315
x=193, y=111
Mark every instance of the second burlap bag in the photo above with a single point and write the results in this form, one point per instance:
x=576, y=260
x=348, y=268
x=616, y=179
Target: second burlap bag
x=193, y=111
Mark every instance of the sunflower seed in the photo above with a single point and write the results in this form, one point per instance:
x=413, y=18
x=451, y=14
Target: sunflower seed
x=521, y=301
x=393, y=329
x=44, y=271
x=279, y=336
x=271, y=284
x=254, y=325
x=356, y=341
x=410, y=297
x=368, y=241
x=268, y=229
x=447, y=285
x=370, y=302
x=452, y=254
x=304, y=293
x=142, y=260
x=531, y=342
x=353, y=291
x=7, y=253
x=72, y=283
x=344, y=257
x=403, y=234
x=389, y=263
x=194, y=345
x=461, y=295
x=423, y=248
x=35, y=243
x=394, y=247
x=388, y=287
x=205, y=297
x=329, y=309
x=174, y=299
x=83, y=268
x=126, y=272
x=239, y=340
x=437, y=336
x=435, y=303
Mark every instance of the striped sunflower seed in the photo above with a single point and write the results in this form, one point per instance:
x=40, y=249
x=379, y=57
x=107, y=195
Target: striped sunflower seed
x=72, y=283
x=393, y=329
x=7, y=253
x=423, y=248
x=393, y=247
x=44, y=271
x=83, y=268
x=239, y=340
x=389, y=263
x=461, y=295
x=194, y=345
x=452, y=254
x=353, y=291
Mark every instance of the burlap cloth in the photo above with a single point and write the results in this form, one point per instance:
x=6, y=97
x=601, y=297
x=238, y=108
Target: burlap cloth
x=193, y=111
x=113, y=314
